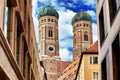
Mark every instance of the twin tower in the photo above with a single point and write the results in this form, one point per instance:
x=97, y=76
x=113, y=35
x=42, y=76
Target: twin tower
x=49, y=42
x=48, y=32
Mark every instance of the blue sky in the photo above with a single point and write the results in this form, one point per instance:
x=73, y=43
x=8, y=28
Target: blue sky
x=66, y=9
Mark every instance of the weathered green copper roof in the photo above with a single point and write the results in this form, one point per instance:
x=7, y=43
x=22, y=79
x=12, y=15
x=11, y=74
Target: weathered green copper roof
x=48, y=11
x=81, y=16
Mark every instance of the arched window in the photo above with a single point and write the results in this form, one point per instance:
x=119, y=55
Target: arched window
x=84, y=24
x=87, y=25
x=44, y=20
x=86, y=37
x=77, y=25
x=80, y=24
x=51, y=20
x=48, y=20
x=74, y=38
x=50, y=33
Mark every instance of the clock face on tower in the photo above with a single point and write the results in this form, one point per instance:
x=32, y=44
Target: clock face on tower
x=51, y=48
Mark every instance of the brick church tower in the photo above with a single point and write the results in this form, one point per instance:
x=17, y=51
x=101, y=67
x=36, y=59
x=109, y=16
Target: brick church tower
x=82, y=32
x=48, y=41
x=48, y=32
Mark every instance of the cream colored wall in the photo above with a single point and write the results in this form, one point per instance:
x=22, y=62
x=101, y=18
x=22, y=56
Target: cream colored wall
x=81, y=73
x=90, y=68
x=86, y=70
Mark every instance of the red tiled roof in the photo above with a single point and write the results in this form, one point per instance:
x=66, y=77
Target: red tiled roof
x=63, y=65
x=93, y=47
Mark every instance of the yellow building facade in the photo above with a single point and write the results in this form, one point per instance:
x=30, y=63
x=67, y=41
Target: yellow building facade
x=88, y=66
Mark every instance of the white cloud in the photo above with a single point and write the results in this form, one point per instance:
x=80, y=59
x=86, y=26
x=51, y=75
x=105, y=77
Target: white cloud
x=62, y=4
x=89, y=2
x=91, y=12
x=66, y=43
x=65, y=27
x=46, y=2
x=94, y=30
x=65, y=54
x=34, y=8
x=35, y=19
x=75, y=1
x=71, y=5
x=65, y=33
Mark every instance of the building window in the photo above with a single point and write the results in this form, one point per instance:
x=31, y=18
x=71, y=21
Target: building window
x=74, y=38
x=95, y=75
x=80, y=24
x=101, y=27
x=104, y=70
x=44, y=20
x=87, y=25
x=48, y=20
x=29, y=30
x=90, y=60
x=17, y=42
x=77, y=25
x=83, y=24
x=55, y=21
x=24, y=59
x=118, y=4
x=116, y=57
x=105, y=20
x=50, y=33
x=51, y=20
x=93, y=60
x=85, y=37
x=112, y=9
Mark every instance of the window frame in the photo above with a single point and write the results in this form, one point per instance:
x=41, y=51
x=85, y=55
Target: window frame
x=95, y=75
x=92, y=61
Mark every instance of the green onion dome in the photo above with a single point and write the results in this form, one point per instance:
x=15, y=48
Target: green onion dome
x=81, y=16
x=48, y=11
